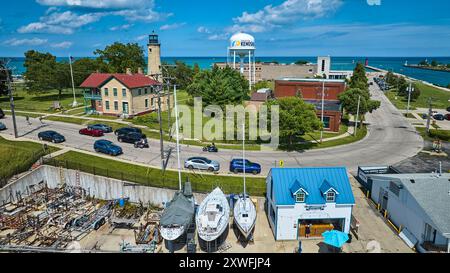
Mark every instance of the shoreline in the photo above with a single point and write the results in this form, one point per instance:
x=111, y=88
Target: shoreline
x=379, y=70
x=426, y=68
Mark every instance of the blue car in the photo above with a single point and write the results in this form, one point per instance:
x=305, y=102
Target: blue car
x=102, y=127
x=250, y=167
x=2, y=126
x=107, y=147
x=51, y=136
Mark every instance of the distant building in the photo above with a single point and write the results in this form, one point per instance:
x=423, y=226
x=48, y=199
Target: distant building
x=418, y=204
x=124, y=95
x=310, y=90
x=296, y=197
x=324, y=69
x=154, y=55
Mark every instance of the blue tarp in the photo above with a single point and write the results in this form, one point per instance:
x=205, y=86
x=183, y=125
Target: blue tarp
x=335, y=238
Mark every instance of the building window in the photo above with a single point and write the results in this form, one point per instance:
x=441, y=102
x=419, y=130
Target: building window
x=300, y=197
x=139, y=92
x=331, y=196
x=145, y=91
x=107, y=105
x=146, y=103
x=323, y=65
x=152, y=102
x=115, y=92
x=116, y=106
x=124, y=92
x=326, y=122
x=106, y=92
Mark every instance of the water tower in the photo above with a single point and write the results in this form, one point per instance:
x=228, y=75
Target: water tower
x=242, y=45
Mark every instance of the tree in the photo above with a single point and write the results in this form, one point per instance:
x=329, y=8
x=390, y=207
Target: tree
x=219, y=86
x=3, y=79
x=119, y=57
x=434, y=63
x=402, y=86
x=44, y=74
x=83, y=67
x=296, y=117
x=262, y=84
x=196, y=69
x=301, y=62
x=415, y=94
x=349, y=100
x=423, y=63
x=391, y=79
x=359, y=79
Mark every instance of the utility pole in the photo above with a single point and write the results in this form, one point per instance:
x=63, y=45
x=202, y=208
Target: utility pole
x=168, y=107
x=429, y=115
x=409, y=98
x=11, y=100
x=161, y=141
x=357, y=115
x=177, y=136
x=321, y=116
x=75, y=103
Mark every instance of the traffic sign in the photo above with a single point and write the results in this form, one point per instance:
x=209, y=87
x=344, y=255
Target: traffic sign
x=281, y=163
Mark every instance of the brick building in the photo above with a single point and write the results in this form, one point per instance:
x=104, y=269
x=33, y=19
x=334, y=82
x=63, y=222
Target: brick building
x=310, y=90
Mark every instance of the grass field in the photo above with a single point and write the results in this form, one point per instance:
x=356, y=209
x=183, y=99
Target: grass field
x=154, y=177
x=439, y=98
x=18, y=156
x=39, y=103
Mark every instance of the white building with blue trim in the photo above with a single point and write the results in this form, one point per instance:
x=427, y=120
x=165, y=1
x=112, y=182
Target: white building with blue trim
x=297, y=197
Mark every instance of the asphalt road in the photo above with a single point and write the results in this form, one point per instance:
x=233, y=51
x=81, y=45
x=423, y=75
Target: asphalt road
x=390, y=139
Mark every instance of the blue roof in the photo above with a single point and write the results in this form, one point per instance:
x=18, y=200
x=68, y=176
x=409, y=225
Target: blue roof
x=297, y=186
x=326, y=186
x=314, y=179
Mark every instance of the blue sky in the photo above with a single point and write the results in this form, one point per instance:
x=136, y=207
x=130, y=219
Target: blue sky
x=203, y=27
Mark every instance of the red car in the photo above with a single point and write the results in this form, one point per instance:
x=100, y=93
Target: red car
x=91, y=132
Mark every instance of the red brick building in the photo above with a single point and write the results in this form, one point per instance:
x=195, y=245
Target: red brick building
x=310, y=90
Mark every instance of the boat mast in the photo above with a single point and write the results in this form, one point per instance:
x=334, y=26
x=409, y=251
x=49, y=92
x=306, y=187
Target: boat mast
x=177, y=132
x=243, y=153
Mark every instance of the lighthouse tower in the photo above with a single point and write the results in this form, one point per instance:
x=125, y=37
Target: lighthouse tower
x=154, y=55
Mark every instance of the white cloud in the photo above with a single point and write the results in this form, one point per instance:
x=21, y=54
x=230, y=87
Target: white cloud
x=60, y=22
x=218, y=37
x=141, y=37
x=203, y=29
x=28, y=42
x=65, y=44
x=98, y=4
x=172, y=26
x=288, y=12
x=122, y=27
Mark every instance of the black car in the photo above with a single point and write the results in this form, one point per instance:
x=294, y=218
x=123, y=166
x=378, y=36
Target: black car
x=131, y=137
x=2, y=114
x=51, y=136
x=126, y=130
x=448, y=109
x=439, y=117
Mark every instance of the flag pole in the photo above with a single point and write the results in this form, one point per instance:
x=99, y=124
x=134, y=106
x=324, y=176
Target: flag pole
x=75, y=103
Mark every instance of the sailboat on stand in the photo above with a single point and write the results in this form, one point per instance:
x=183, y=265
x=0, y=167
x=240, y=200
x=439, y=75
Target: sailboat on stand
x=244, y=212
x=178, y=216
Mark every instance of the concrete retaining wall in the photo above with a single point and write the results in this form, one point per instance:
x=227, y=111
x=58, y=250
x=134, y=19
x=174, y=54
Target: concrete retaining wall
x=97, y=186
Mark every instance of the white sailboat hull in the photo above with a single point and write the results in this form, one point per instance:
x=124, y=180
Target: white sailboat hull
x=245, y=216
x=210, y=229
x=172, y=233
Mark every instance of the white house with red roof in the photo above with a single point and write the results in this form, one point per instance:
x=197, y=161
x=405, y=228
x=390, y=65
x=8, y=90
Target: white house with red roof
x=124, y=95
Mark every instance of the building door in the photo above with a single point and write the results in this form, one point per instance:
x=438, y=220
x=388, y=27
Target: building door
x=383, y=199
x=125, y=107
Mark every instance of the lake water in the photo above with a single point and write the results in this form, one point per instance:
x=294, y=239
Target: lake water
x=338, y=63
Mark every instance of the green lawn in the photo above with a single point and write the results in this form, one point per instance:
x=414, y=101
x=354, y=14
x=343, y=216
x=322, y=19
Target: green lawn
x=435, y=134
x=18, y=156
x=155, y=177
x=67, y=119
x=39, y=103
x=439, y=98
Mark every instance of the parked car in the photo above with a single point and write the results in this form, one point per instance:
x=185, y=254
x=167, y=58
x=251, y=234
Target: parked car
x=51, y=136
x=107, y=147
x=91, y=132
x=2, y=114
x=2, y=126
x=424, y=116
x=103, y=127
x=236, y=165
x=447, y=116
x=201, y=163
x=438, y=116
x=131, y=137
x=448, y=109
x=126, y=130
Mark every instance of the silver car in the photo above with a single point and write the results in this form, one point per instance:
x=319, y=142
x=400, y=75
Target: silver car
x=2, y=126
x=201, y=163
